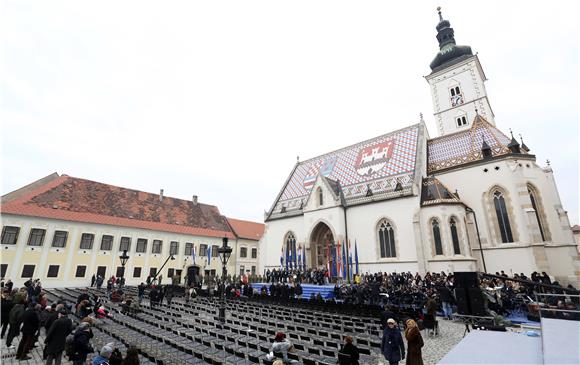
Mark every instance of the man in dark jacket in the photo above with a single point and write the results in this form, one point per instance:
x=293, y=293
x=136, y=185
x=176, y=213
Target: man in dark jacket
x=15, y=320
x=7, y=305
x=82, y=346
x=56, y=337
x=30, y=325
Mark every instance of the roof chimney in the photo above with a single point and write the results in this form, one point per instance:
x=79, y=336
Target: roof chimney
x=194, y=200
x=161, y=195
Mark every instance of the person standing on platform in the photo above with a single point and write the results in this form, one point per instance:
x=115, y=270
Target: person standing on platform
x=30, y=325
x=414, y=343
x=392, y=345
x=56, y=337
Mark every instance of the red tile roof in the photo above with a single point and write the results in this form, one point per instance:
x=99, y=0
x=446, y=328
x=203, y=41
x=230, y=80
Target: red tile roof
x=246, y=229
x=80, y=200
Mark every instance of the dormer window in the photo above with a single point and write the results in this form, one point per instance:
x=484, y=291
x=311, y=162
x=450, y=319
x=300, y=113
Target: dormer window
x=456, y=96
x=461, y=121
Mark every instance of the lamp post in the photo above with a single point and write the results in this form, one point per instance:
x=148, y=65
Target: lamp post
x=224, y=252
x=124, y=258
x=171, y=257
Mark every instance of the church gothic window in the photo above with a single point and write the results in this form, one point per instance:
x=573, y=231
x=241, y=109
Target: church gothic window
x=291, y=254
x=456, y=96
x=537, y=211
x=387, y=240
x=454, y=236
x=437, y=237
x=502, y=217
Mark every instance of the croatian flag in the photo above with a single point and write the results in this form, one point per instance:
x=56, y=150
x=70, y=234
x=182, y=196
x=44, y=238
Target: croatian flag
x=299, y=263
x=338, y=260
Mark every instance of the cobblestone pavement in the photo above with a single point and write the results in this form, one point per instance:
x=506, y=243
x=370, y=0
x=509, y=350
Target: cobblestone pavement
x=436, y=347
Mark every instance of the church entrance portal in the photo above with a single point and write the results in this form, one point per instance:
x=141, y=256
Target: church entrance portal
x=320, y=241
x=193, y=275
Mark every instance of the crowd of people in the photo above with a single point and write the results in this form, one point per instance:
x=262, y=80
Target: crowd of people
x=27, y=315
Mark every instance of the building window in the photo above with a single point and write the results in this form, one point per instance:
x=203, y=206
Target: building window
x=202, y=250
x=214, y=251
x=156, y=246
x=59, y=239
x=243, y=252
x=461, y=121
x=437, y=237
x=52, y=271
x=320, y=197
x=174, y=248
x=81, y=271
x=242, y=269
x=454, y=236
x=291, y=256
x=456, y=96
x=106, y=243
x=188, y=249
x=87, y=241
x=136, y=272
x=125, y=244
x=503, y=219
x=120, y=272
x=170, y=273
x=101, y=271
x=36, y=237
x=536, y=207
x=253, y=270
x=3, y=269
x=10, y=235
x=27, y=271
x=254, y=253
x=387, y=240
x=152, y=271
x=141, y=245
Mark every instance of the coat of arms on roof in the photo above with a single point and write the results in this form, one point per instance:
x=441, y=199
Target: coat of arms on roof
x=325, y=170
x=373, y=158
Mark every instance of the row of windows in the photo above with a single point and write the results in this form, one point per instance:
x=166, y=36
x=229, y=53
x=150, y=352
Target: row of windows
x=437, y=236
x=59, y=240
x=81, y=271
x=243, y=270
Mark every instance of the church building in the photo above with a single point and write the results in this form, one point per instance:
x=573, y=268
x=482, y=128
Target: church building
x=471, y=199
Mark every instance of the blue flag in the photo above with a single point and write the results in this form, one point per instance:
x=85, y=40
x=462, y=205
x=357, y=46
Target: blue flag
x=356, y=256
x=208, y=254
x=344, y=261
x=304, y=257
x=193, y=252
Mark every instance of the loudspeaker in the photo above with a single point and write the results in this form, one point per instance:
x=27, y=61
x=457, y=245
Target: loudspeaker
x=476, y=302
x=465, y=279
x=462, y=301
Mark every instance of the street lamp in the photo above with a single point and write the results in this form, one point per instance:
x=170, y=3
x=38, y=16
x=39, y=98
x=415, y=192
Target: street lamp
x=171, y=257
x=224, y=252
x=124, y=258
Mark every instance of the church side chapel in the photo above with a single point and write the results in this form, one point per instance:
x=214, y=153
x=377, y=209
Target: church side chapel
x=474, y=198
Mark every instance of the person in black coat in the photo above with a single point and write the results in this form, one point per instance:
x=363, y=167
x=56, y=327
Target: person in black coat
x=392, y=345
x=56, y=337
x=82, y=346
x=30, y=325
x=7, y=305
x=349, y=349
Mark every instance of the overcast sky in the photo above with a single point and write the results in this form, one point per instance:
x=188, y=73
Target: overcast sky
x=217, y=98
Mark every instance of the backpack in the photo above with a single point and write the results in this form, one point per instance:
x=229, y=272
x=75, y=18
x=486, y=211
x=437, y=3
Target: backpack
x=69, y=346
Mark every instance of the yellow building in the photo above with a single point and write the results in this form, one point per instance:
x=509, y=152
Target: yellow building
x=63, y=230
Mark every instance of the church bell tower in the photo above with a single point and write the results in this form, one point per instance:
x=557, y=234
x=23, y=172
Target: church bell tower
x=457, y=84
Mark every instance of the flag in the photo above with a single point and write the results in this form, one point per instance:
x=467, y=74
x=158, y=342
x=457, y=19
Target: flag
x=287, y=255
x=333, y=261
x=356, y=256
x=328, y=258
x=208, y=254
x=193, y=252
x=299, y=263
x=294, y=255
x=349, y=252
x=344, y=261
x=304, y=257
x=338, y=260
x=282, y=257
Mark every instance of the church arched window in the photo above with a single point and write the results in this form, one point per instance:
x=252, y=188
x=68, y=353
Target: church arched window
x=290, y=251
x=502, y=216
x=437, y=237
x=320, y=197
x=454, y=236
x=387, y=239
x=536, y=204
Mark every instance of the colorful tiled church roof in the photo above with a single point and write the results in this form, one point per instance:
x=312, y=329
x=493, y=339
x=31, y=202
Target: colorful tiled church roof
x=466, y=146
x=73, y=199
x=379, y=164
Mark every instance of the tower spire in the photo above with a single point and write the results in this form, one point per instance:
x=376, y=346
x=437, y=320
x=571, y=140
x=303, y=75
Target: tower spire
x=439, y=11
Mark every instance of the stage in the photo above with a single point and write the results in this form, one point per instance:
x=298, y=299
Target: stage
x=558, y=344
x=326, y=291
